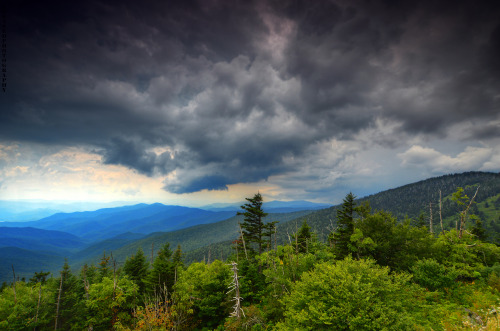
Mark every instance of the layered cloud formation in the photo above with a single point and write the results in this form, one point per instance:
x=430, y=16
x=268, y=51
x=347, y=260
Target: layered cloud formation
x=207, y=94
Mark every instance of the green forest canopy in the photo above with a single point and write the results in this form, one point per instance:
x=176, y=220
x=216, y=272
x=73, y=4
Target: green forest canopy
x=375, y=273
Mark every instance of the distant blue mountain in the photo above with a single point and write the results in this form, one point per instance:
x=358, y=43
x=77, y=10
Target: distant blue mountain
x=26, y=262
x=32, y=210
x=84, y=236
x=291, y=206
x=271, y=206
x=109, y=222
x=55, y=242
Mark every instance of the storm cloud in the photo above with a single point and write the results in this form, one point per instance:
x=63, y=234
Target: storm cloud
x=215, y=93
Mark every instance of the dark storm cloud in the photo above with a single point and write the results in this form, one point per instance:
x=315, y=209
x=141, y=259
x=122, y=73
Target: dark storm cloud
x=233, y=89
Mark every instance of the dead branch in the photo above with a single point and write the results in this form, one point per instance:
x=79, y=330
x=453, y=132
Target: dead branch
x=463, y=214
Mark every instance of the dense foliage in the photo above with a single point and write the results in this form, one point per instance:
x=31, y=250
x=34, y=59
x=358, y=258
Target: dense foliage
x=374, y=274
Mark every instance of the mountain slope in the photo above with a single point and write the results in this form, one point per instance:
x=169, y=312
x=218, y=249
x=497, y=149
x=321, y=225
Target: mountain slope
x=191, y=238
x=406, y=201
x=57, y=242
x=26, y=262
x=197, y=241
x=270, y=207
x=413, y=200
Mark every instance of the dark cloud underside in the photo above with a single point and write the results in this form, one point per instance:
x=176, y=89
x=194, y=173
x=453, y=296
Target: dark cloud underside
x=234, y=88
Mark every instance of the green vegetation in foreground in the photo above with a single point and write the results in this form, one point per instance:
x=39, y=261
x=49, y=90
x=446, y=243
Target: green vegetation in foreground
x=373, y=273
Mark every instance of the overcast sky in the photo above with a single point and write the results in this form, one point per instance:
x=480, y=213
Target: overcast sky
x=194, y=102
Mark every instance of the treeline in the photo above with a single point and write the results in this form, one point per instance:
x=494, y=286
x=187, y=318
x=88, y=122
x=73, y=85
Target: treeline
x=370, y=273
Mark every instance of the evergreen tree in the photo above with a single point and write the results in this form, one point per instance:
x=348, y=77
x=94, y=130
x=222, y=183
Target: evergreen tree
x=177, y=262
x=162, y=274
x=71, y=292
x=254, y=228
x=239, y=249
x=136, y=267
x=478, y=229
x=104, y=269
x=345, y=227
x=421, y=221
x=303, y=237
x=177, y=257
x=39, y=277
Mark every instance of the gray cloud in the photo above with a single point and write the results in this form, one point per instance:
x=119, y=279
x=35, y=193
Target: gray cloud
x=233, y=90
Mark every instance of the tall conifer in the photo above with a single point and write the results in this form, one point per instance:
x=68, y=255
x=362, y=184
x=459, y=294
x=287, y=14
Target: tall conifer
x=345, y=226
x=254, y=228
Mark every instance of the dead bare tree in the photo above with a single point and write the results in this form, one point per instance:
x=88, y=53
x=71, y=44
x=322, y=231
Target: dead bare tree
x=243, y=239
x=86, y=286
x=463, y=214
x=275, y=238
x=431, y=229
x=235, y=286
x=58, y=301
x=440, y=212
x=38, y=304
x=152, y=252
x=114, y=276
x=14, y=284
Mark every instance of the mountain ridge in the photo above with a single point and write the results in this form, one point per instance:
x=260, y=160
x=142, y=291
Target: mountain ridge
x=410, y=200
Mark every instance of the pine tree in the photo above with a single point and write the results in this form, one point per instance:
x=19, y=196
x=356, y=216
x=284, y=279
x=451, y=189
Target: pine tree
x=163, y=272
x=104, y=269
x=345, y=226
x=136, y=267
x=39, y=277
x=177, y=257
x=71, y=292
x=177, y=262
x=478, y=229
x=303, y=237
x=254, y=228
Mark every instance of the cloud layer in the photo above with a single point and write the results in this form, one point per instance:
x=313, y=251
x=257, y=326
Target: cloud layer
x=208, y=94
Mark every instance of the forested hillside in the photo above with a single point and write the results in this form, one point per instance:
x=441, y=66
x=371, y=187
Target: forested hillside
x=417, y=196
x=359, y=265
x=191, y=239
x=374, y=273
x=413, y=201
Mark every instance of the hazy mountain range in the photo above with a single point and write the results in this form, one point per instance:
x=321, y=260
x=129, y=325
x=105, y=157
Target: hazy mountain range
x=84, y=236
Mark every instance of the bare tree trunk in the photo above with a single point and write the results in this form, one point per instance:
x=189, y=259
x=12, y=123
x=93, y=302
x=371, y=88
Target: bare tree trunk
x=440, y=212
x=152, y=252
x=243, y=239
x=296, y=240
x=86, y=285
x=38, y=304
x=431, y=229
x=58, y=301
x=275, y=238
x=260, y=238
x=114, y=276
x=463, y=214
x=14, y=284
x=235, y=286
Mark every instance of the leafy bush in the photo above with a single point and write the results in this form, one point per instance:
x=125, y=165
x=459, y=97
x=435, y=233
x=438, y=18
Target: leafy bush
x=433, y=275
x=350, y=295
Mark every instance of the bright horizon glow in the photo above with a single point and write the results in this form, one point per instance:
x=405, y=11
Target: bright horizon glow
x=73, y=174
